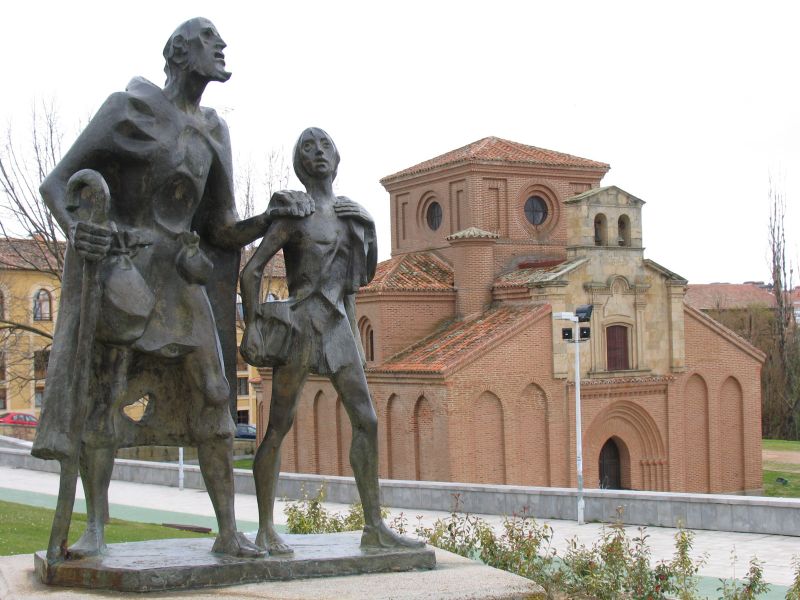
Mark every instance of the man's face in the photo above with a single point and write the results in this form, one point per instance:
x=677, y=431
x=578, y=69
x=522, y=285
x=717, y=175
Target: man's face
x=205, y=51
x=317, y=154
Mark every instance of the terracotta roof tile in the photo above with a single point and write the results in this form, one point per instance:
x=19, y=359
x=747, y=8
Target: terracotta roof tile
x=460, y=339
x=30, y=255
x=416, y=271
x=710, y=296
x=494, y=149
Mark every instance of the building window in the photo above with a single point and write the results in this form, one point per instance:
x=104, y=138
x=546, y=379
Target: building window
x=624, y=230
x=433, y=215
x=2, y=304
x=600, y=230
x=42, y=306
x=3, y=404
x=243, y=416
x=617, y=358
x=367, y=338
x=536, y=210
x=2, y=365
x=239, y=308
x=242, y=387
x=40, y=359
x=38, y=396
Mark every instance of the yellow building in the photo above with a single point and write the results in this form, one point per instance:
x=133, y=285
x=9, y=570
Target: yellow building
x=29, y=294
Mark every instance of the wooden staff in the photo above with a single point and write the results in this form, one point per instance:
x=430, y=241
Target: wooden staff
x=86, y=186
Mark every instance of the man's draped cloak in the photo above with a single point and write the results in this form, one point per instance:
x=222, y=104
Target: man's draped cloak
x=168, y=172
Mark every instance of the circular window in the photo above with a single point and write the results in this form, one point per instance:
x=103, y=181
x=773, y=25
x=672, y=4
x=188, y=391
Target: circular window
x=433, y=215
x=536, y=210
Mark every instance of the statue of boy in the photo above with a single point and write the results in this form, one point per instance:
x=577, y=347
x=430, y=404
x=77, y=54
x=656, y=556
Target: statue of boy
x=329, y=255
x=171, y=215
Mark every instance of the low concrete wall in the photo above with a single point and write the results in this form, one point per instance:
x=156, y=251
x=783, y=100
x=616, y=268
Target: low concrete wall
x=17, y=431
x=170, y=453
x=694, y=511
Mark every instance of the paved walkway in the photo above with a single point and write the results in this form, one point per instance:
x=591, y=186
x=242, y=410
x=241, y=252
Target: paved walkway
x=161, y=504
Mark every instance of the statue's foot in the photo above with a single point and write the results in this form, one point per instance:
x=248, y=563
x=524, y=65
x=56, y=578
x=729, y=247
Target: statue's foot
x=380, y=536
x=236, y=544
x=269, y=540
x=91, y=543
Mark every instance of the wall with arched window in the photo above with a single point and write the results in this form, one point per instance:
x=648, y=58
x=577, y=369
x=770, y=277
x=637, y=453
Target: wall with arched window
x=42, y=305
x=624, y=231
x=422, y=427
x=696, y=420
x=600, y=230
x=489, y=462
x=367, y=335
x=618, y=347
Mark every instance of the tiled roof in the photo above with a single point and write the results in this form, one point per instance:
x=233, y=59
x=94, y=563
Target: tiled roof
x=494, y=149
x=461, y=339
x=530, y=275
x=416, y=271
x=710, y=296
x=31, y=255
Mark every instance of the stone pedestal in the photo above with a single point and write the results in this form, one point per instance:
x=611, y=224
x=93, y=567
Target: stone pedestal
x=189, y=564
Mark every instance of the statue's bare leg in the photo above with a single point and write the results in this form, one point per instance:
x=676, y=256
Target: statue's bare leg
x=96, y=465
x=287, y=382
x=215, y=452
x=97, y=461
x=351, y=384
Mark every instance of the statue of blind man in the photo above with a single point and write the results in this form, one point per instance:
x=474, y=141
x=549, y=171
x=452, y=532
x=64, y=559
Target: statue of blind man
x=148, y=300
x=329, y=255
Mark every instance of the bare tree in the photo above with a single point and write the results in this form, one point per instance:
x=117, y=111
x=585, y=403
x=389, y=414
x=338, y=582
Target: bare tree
x=30, y=238
x=783, y=368
x=30, y=241
x=23, y=166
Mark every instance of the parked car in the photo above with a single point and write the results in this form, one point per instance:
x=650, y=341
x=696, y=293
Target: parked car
x=245, y=431
x=18, y=418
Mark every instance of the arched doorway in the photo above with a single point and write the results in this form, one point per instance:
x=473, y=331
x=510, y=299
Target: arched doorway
x=610, y=468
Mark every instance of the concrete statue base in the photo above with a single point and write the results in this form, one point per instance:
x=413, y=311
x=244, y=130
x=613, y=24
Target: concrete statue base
x=189, y=564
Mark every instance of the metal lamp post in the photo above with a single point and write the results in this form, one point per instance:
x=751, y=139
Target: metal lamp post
x=582, y=314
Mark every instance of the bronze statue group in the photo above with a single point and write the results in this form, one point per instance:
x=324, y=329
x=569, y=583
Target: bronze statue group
x=145, y=195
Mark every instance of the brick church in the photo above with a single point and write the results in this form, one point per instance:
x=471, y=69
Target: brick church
x=468, y=371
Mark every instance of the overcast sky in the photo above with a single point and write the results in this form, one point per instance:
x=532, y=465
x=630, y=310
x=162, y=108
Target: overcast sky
x=694, y=104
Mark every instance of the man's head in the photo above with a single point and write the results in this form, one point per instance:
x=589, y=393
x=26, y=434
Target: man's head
x=315, y=156
x=196, y=46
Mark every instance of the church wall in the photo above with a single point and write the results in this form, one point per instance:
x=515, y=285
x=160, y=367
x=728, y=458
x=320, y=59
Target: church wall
x=510, y=384
x=489, y=199
x=729, y=402
x=623, y=292
x=399, y=320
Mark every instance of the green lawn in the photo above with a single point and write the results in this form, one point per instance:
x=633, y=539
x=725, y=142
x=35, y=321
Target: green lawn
x=780, y=445
x=26, y=529
x=244, y=463
x=771, y=488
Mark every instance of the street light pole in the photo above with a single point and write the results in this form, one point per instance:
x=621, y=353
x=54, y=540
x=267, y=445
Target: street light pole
x=578, y=427
x=584, y=314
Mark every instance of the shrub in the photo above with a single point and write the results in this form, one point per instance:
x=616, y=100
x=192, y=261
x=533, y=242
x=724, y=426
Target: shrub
x=310, y=516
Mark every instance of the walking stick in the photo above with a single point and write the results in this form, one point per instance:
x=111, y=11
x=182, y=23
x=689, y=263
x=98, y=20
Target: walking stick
x=86, y=185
